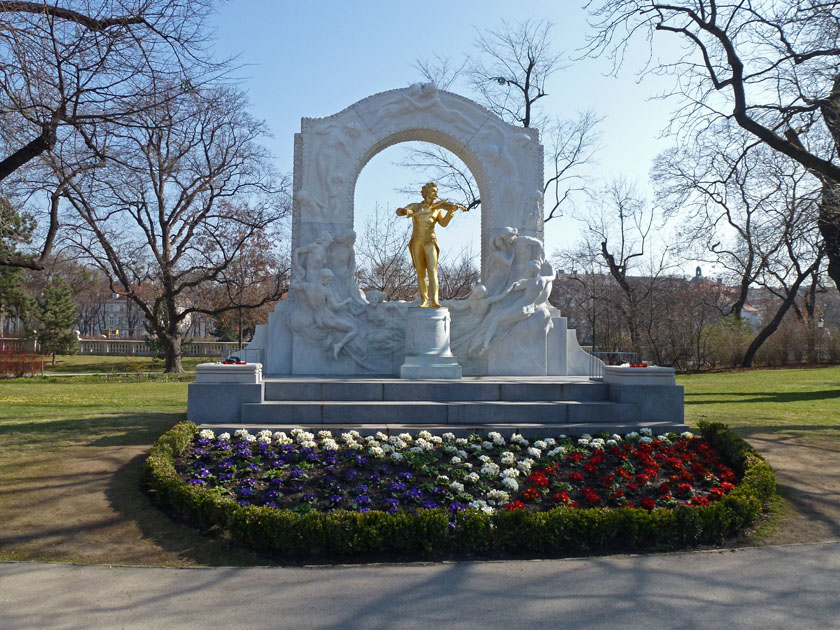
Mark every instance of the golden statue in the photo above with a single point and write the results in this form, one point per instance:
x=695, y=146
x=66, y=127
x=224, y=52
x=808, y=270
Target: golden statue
x=423, y=244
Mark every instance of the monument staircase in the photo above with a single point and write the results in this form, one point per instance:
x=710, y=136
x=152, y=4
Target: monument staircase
x=533, y=406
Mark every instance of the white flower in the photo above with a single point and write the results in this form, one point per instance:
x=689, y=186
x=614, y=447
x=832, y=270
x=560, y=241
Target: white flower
x=251, y=438
x=583, y=442
x=612, y=442
x=525, y=465
x=264, y=433
x=442, y=480
x=517, y=438
x=461, y=442
x=508, y=458
x=355, y=446
x=224, y=437
x=556, y=451
x=449, y=437
x=425, y=435
x=278, y=435
x=509, y=473
x=264, y=439
x=646, y=432
x=295, y=432
x=494, y=435
x=510, y=483
x=466, y=465
x=645, y=440
x=436, y=440
x=499, y=441
x=330, y=445
x=687, y=435
x=371, y=441
x=240, y=433
x=498, y=496
x=377, y=452
x=405, y=437
x=387, y=448
x=534, y=452
x=481, y=504
x=487, y=446
x=304, y=436
x=540, y=444
x=550, y=442
x=585, y=436
x=309, y=443
x=489, y=470
x=462, y=454
x=484, y=459
x=456, y=487
x=449, y=448
x=472, y=477
x=616, y=437
x=455, y=460
x=206, y=434
x=663, y=438
x=632, y=436
x=396, y=457
x=381, y=436
x=416, y=449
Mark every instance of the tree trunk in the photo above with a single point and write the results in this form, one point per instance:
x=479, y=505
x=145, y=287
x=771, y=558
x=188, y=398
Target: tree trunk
x=829, y=224
x=172, y=353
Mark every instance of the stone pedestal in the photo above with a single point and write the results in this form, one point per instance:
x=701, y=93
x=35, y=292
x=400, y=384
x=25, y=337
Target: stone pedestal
x=427, y=352
x=220, y=391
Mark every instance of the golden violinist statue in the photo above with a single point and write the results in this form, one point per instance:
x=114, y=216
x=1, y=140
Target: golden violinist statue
x=423, y=244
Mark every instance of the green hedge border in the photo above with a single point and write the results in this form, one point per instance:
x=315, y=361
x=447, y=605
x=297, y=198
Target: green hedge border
x=427, y=533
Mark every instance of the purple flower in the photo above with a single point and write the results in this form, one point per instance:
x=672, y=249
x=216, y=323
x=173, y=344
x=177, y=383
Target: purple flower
x=203, y=442
x=297, y=473
x=351, y=474
x=197, y=482
x=360, y=462
x=362, y=489
x=223, y=445
x=277, y=481
x=362, y=499
x=226, y=476
x=312, y=457
x=270, y=495
x=308, y=498
x=243, y=502
x=271, y=504
x=456, y=507
x=252, y=467
x=362, y=510
x=415, y=494
x=396, y=487
x=199, y=452
x=225, y=465
x=391, y=505
x=335, y=500
x=383, y=470
x=331, y=460
x=245, y=491
x=374, y=478
x=405, y=476
x=429, y=505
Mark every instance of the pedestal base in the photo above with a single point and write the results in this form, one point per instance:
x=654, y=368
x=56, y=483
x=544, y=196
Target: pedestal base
x=427, y=352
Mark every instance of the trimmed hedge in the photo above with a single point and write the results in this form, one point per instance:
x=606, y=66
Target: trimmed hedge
x=428, y=533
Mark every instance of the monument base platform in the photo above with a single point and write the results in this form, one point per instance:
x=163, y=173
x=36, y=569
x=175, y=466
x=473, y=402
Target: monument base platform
x=537, y=406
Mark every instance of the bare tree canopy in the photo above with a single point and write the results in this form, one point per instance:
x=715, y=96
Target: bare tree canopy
x=183, y=194
x=78, y=68
x=773, y=67
x=508, y=75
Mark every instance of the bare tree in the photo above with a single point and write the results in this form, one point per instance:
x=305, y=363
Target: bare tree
x=79, y=67
x=383, y=258
x=772, y=67
x=509, y=74
x=179, y=197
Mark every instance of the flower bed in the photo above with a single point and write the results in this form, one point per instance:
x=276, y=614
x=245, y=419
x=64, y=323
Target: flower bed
x=308, y=495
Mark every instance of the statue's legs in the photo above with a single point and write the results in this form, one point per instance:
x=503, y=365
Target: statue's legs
x=430, y=252
x=418, y=256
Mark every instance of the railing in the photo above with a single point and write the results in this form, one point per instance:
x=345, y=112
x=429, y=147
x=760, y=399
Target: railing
x=140, y=348
x=15, y=344
x=600, y=359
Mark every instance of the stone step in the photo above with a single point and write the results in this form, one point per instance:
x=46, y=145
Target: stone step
x=530, y=430
x=522, y=390
x=443, y=413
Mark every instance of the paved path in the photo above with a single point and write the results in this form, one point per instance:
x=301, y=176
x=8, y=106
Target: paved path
x=770, y=587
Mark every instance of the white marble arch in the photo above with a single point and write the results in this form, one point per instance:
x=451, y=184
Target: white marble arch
x=330, y=153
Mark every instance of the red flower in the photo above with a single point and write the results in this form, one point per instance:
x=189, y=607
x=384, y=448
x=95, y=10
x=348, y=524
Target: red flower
x=726, y=486
x=716, y=494
x=514, y=506
x=538, y=478
x=576, y=476
x=550, y=470
x=591, y=468
x=574, y=458
x=591, y=496
x=648, y=503
x=684, y=490
x=531, y=494
x=701, y=501
x=562, y=496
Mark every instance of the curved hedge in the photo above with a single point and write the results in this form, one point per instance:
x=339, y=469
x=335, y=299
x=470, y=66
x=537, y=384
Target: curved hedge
x=427, y=533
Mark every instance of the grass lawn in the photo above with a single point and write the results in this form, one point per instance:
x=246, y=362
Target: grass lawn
x=72, y=449
x=70, y=363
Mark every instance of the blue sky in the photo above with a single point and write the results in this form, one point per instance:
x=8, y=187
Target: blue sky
x=316, y=57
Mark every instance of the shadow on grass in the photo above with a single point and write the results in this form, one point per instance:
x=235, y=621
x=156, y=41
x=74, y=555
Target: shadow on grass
x=128, y=499
x=128, y=429
x=758, y=397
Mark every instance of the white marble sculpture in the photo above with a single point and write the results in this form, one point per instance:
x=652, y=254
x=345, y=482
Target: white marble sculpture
x=329, y=326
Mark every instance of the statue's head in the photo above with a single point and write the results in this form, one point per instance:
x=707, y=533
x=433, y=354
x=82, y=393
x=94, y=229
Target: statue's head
x=478, y=291
x=325, y=237
x=429, y=191
x=375, y=296
x=533, y=268
x=326, y=276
